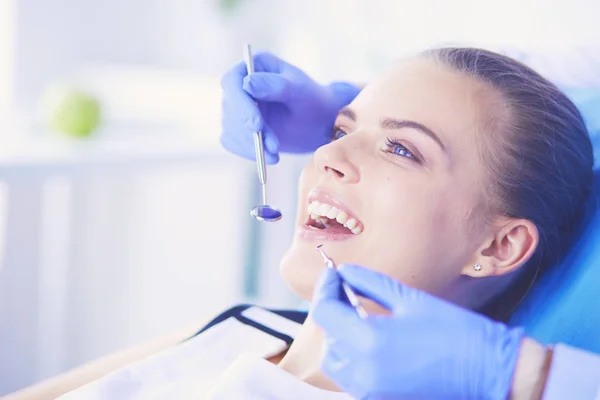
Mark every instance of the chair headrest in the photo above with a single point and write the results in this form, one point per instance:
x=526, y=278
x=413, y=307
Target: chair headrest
x=564, y=306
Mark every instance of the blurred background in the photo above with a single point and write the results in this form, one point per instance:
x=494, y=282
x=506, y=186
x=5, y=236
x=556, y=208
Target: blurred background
x=118, y=234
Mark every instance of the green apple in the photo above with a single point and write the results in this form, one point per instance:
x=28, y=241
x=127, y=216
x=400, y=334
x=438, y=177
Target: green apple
x=71, y=110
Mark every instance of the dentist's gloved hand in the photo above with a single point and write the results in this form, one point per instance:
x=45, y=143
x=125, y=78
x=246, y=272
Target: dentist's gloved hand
x=295, y=113
x=427, y=349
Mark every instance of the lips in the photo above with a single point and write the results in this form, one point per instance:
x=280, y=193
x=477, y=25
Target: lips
x=329, y=219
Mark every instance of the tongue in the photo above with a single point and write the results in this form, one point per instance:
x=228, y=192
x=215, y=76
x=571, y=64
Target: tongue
x=335, y=227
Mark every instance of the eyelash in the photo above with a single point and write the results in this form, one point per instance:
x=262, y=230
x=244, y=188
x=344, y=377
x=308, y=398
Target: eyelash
x=394, y=147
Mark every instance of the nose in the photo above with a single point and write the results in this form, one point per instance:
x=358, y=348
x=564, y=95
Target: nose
x=334, y=160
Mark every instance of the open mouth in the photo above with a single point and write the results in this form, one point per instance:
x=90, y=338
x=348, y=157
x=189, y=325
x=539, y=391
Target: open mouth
x=331, y=219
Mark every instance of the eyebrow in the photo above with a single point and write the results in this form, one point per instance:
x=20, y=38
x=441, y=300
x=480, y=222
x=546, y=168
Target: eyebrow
x=391, y=123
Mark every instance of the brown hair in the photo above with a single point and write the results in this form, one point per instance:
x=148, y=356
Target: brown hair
x=539, y=159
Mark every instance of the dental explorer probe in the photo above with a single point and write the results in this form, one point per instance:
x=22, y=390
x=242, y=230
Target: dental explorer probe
x=263, y=212
x=352, y=297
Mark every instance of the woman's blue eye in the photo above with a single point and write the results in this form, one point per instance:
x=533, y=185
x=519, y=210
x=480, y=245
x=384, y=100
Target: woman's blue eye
x=396, y=148
x=338, y=134
x=393, y=146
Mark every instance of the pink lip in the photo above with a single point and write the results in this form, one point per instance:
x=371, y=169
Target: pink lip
x=309, y=233
x=324, y=197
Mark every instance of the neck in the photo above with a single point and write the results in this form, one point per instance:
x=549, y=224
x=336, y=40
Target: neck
x=303, y=359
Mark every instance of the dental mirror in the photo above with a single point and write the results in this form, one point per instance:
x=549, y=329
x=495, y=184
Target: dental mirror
x=264, y=212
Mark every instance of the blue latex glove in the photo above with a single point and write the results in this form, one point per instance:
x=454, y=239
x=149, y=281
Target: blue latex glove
x=295, y=113
x=427, y=349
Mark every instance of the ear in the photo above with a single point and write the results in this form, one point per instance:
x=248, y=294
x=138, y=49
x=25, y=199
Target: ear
x=512, y=245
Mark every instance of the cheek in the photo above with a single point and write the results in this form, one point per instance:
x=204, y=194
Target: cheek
x=415, y=229
x=305, y=183
x=408, y=211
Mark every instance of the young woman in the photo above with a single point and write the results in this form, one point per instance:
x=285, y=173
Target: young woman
x=459, y=172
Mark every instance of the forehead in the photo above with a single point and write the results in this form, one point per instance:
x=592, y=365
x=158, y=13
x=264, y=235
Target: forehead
x=446, y=101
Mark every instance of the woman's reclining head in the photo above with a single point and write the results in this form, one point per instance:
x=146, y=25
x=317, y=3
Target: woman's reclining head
x=460, y=172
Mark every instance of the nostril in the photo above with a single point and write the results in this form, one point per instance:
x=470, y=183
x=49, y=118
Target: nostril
x=336, y=172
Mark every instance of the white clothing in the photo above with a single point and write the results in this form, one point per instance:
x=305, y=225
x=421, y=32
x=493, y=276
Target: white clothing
x=226, y=360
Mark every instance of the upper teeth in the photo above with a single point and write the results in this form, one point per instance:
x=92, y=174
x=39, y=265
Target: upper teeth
x=319, y=210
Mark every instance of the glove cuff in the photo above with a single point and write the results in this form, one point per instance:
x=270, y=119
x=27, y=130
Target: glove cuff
x=508, y=354
x=343, y=93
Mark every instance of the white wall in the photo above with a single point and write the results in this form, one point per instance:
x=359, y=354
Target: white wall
x=7, y=44
x=56, y=38
x=332, y=39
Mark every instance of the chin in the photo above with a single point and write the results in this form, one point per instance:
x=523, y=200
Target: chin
x=300, y=268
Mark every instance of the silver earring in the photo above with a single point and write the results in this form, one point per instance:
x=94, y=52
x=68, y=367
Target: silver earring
x=477, y=267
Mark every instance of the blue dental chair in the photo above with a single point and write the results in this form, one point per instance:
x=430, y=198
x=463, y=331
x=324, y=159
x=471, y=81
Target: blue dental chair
x=565, y=305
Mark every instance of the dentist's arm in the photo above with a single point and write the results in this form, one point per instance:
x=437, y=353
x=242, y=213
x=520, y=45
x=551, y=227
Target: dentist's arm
x=574, y=374
x=562, y=372
x=531, y=372
x=429, y=348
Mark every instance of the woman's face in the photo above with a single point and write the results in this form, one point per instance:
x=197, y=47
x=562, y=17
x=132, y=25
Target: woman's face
x=404, y=165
